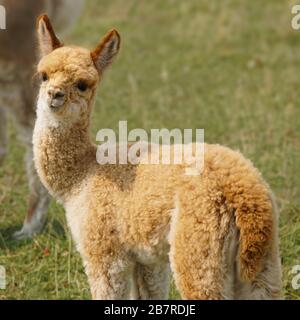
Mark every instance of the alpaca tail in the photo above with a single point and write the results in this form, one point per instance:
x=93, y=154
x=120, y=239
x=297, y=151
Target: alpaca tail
x=247, y=193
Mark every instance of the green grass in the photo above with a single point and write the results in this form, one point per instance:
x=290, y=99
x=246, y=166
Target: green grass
x=229, y=67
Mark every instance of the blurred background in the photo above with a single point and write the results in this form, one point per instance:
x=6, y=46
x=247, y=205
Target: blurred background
x=230, y=67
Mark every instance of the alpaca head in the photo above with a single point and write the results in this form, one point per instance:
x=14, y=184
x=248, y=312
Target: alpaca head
x=69, y=75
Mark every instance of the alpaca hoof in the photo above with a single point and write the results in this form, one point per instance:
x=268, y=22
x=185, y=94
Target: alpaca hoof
x=27, y=232
x=22, y=234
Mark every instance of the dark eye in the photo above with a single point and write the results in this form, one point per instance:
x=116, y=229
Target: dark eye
x=82, y=85
x=44, y=76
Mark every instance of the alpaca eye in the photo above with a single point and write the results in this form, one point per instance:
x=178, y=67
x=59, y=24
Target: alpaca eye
x=44, y=76
x=82, y=85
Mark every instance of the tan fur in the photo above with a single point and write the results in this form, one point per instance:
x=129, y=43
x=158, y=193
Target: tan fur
x=18, y=91
x=218, y=230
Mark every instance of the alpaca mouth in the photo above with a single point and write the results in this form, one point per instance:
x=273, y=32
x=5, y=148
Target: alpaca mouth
x=56, y=104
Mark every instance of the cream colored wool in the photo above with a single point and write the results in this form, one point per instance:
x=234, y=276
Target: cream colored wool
x=133, y=224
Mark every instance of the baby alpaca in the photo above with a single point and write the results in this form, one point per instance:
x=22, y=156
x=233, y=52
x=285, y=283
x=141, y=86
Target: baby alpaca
x=133, y=224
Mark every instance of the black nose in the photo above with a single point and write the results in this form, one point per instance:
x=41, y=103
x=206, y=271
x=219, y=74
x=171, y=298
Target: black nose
x=58, y=95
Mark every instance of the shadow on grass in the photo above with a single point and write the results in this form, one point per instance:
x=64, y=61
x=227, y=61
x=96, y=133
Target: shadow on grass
x=54, y=229
x=8, y=242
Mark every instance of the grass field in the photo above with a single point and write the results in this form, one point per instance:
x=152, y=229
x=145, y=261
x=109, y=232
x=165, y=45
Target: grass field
x=230, y=67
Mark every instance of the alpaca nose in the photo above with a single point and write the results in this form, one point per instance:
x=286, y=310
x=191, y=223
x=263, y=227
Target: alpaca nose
x=59, y=94
x=56, y=93
x=56, y=97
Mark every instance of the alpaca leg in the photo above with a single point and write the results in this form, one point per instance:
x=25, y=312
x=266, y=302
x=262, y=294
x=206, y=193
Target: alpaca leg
x=201, y=274
x=152, y=281
x=202, y=250
x=39, y=198
x=3, y=134
x=110, y=280
x=195, y=262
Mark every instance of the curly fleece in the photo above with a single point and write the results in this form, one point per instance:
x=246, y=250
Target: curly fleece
x=217, y=232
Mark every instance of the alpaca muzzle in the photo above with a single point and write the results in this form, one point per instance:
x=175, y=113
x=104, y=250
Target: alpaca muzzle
x=56, y=98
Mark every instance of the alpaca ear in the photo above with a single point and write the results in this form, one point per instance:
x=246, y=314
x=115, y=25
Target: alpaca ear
x=105, y=52
x=46, y=36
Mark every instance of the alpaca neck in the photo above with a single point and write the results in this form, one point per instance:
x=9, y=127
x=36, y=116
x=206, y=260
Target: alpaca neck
x=63, y=155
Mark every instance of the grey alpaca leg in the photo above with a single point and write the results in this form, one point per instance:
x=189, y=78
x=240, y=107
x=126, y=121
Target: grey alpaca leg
x=3, y=134
x=39, y=198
